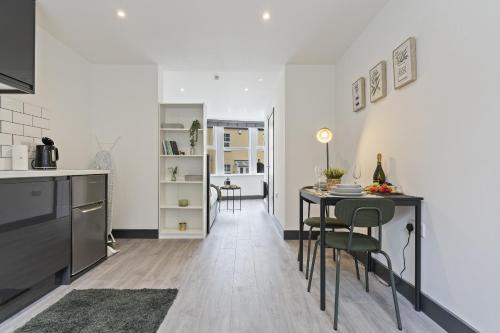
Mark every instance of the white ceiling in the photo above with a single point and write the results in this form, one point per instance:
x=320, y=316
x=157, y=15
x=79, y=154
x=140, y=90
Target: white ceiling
x=235, y=96
x=200, y=35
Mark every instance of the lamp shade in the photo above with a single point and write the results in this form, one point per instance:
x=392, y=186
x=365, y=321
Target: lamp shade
x=324, y=135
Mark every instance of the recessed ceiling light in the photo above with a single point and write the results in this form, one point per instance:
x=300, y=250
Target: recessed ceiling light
x=260, y=79
x=266, y=16
x=121, y=13
x=182, y=90
x=246, y=89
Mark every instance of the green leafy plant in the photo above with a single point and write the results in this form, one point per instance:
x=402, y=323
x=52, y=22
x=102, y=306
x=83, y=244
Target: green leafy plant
x=334, y=173
x=193, y=132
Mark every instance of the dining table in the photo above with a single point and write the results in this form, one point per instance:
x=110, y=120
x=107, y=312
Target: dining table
x=324, y=199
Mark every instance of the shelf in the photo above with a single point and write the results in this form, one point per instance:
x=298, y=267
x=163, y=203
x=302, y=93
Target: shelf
x=180, y=182
x=181, y=208
x=175, y=233
x=182, y=156
x=177, y=130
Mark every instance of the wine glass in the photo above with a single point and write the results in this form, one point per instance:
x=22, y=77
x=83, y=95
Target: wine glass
x=356, y=173
x=318, y=172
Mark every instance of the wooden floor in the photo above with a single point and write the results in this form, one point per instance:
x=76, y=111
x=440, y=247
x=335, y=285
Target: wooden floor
x=242, y=278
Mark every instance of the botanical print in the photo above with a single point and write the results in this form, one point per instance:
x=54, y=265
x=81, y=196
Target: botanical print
x=378, y=82
x=358, y=94
x=405, y=63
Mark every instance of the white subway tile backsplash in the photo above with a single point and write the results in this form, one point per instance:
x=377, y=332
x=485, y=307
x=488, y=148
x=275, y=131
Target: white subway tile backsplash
x=40, y=122
x=32, y=110
x=5, y=115
x=33, y=132
x=11, y=104
x=11, y=128
x=22, y=140
x=37, y=141
x=5, y=164
x=6, y=151
x=5, y=139
x=20, y=118
x=45, y=113
x=46, y=132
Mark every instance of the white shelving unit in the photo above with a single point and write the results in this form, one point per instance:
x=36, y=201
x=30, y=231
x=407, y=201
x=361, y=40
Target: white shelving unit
x=170, y=192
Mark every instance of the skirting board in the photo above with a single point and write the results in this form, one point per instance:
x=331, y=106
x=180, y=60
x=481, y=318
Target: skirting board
x=136, y=233
x=439, y=314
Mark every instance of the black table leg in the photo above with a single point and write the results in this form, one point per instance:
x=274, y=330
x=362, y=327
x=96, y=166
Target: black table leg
x=322, y=256
x=301, y=230
x=369, y=263
x=418, y=249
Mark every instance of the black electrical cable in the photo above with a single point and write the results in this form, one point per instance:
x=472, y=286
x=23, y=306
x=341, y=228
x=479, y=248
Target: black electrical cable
x=382, y=282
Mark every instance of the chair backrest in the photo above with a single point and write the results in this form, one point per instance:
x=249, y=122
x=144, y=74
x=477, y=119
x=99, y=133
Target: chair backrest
x=365, y=212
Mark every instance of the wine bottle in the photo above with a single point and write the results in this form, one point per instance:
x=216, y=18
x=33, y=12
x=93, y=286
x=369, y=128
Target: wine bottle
x=379, y=175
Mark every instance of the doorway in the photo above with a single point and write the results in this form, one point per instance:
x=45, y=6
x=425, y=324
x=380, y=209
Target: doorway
x=270, y=163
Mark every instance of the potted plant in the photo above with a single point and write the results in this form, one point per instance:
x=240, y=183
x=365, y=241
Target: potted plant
x=173, y=173
x=333, y=176
x=193, y=135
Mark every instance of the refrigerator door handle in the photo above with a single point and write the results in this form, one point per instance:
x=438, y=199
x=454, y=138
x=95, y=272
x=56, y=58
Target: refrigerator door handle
x=91, y=208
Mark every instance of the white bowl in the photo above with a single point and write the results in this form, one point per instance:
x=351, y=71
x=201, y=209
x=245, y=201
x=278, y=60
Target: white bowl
x=350, y=186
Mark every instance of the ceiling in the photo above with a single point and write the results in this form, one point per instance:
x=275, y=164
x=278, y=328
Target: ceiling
x=234, y=96
x=200, y=35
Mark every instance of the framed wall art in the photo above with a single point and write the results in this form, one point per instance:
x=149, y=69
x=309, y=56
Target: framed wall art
x=378, y=82
x=404, y=59
x=358, y=95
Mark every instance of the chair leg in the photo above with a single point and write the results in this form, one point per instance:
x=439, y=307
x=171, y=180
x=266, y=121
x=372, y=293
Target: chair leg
x=357, y=267
x=366, y=272
x=333, y=254
x=337, y=285
x=312, y=266
x=308, y=251
x=393, y=286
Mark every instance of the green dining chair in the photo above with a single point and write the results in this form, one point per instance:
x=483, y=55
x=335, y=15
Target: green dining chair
x=314, y=223
x=359, y=213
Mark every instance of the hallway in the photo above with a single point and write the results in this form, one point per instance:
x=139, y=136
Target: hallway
x=242, y=278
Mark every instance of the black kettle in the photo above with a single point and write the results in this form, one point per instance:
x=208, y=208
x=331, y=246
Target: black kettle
x=46, y=155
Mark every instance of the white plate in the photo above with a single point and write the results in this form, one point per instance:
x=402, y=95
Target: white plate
x=348, y=190
x=351, y=186
x=362, y=194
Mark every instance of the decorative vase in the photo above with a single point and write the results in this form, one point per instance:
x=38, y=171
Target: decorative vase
x=182, y=226
x=183, y=202
x=173, y=178
x=332, y=183
x=192, y=151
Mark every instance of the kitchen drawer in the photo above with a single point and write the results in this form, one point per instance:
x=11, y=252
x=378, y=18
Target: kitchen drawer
x=88, y=189
x=26, y=200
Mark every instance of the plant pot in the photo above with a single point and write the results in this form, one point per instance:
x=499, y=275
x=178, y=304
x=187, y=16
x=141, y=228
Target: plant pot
x=332, y=183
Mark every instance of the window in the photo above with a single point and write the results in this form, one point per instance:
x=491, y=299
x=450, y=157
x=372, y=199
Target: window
x=236, y=150
x=227, y=140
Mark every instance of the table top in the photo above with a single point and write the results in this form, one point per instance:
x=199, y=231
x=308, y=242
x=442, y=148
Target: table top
x=230, y=187
x=314, y=196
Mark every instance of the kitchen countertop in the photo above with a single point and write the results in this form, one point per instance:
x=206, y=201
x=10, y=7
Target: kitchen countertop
x=49, y=173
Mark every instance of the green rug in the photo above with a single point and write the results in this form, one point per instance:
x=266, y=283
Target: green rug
x=104, y=310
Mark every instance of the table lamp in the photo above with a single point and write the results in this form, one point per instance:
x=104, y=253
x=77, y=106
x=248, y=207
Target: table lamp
x=324, y=135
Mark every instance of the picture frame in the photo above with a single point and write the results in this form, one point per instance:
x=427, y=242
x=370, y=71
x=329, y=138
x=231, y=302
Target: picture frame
x=378, y=81
x=358, y=95
x=404, y=60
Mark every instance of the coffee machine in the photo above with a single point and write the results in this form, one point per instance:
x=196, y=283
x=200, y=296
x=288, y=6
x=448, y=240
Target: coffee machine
x=46, y=155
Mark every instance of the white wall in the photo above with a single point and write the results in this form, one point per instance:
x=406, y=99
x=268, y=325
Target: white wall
x=250, y=184
x=309, y=98
x=125, y=104
x=63, y=87
x=439, y=138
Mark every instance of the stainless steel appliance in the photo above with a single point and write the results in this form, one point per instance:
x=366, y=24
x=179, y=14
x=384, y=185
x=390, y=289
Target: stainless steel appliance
x=88, y=221
x=46, y=155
